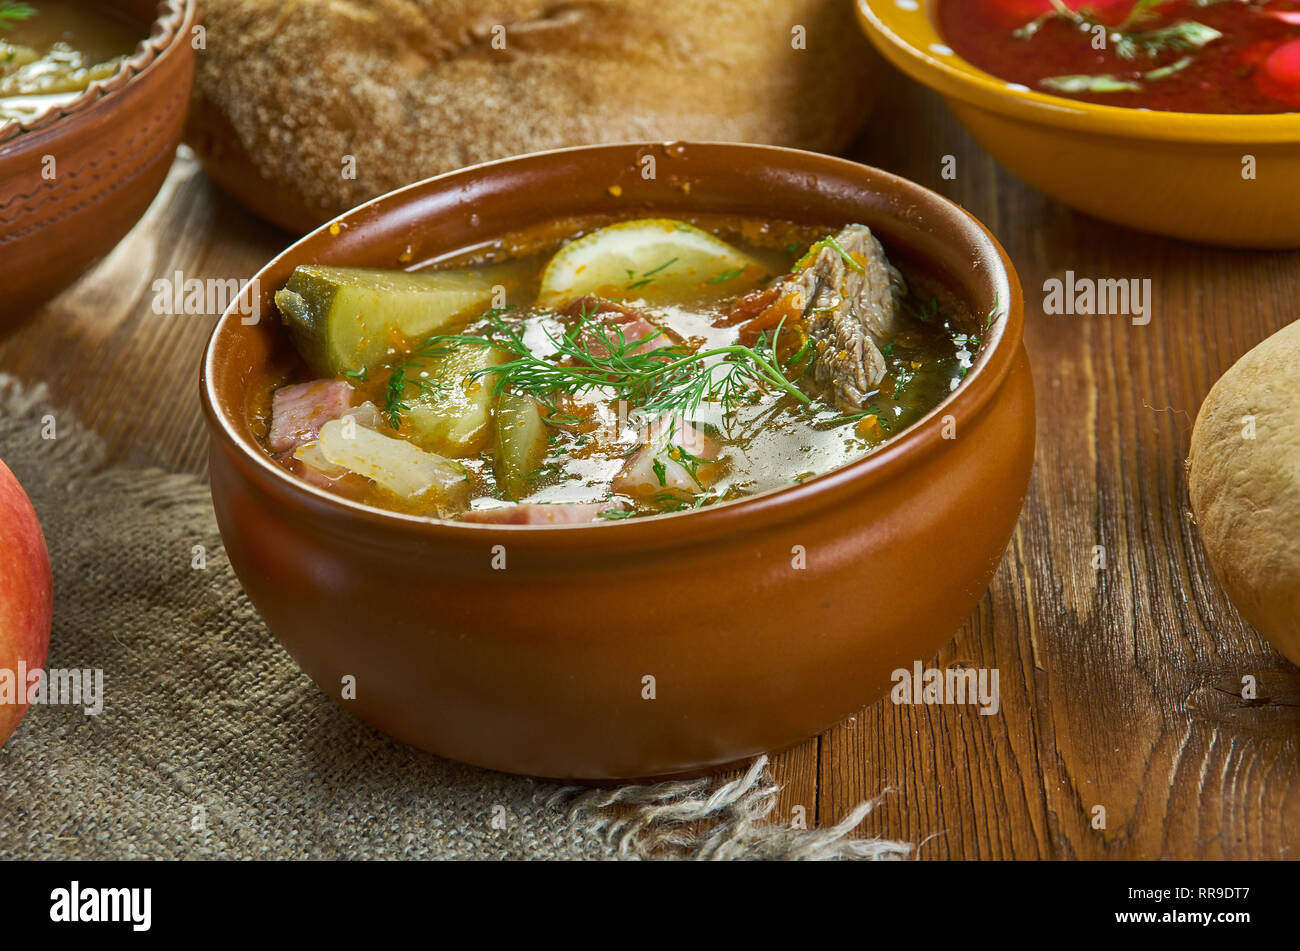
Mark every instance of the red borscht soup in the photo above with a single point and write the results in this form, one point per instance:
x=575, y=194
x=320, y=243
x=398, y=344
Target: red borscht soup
x=1212, y=56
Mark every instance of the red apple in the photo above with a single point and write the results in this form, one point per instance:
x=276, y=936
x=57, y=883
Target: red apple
x=26, y=596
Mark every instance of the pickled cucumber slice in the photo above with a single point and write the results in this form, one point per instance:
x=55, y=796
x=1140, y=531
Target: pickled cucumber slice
x=452, y=413
x=345, y=320
x=521, y=443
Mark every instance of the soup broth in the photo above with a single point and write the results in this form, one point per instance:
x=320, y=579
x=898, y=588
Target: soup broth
x=51, y=50
x=599, y=370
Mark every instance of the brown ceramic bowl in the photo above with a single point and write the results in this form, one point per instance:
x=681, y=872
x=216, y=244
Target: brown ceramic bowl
x=111, y=146
x=541, y=668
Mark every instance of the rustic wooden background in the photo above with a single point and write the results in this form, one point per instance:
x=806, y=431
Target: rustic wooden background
x=1119, y=687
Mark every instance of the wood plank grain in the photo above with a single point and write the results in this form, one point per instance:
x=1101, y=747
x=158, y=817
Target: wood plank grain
x=1120, y=685
x=109, y=359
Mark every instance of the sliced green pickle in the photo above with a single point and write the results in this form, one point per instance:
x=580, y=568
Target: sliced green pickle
x=345, y=319
x=451, y=413
x=521, y=443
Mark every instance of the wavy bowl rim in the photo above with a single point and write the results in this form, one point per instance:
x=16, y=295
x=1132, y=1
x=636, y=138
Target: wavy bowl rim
x=951, y=75
x=1003, y=343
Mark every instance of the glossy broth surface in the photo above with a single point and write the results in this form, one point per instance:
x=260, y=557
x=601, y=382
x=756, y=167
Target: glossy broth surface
x=769, y=440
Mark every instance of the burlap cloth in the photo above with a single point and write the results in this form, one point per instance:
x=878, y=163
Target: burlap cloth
x=212, y=744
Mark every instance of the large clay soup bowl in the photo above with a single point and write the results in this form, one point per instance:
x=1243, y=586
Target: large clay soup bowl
x=646, y=647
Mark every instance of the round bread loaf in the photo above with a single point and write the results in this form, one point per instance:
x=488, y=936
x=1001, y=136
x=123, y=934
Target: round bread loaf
x=1244, y=480
x=307, y=108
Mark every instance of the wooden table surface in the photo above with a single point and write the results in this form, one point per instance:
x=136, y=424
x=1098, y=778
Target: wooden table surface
x=1120, y=686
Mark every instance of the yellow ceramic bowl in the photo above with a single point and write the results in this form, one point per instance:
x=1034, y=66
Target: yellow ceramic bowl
x=1173, y=173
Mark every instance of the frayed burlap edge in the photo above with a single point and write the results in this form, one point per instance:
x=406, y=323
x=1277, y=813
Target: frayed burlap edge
x=702, y=819
x=660, y=820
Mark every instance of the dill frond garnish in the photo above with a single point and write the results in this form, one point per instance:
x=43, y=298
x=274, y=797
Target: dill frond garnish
x=617, y=513
x=11, y=13
x=594, y=356
x=829, y=242
x=1129, y=43
x=409, y=374
x=1177, y=37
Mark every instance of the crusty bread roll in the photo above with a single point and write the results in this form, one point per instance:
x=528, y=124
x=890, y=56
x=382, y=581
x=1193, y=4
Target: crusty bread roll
x=1244, y=480
x=287, y=91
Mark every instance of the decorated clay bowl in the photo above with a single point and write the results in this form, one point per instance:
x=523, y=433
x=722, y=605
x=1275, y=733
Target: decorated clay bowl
x=76, y=178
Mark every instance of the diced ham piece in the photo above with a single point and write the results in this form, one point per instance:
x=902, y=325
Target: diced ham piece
x=538, y=513
x=634, y=327
x=592, y=306
x=675, y=457
x=299, y=411
x=633, y=330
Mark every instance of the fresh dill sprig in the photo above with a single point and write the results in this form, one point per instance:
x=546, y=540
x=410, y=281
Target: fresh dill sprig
x=829, y=242
x=925, y=311
x=765, y=346
x=970, y=343
x=11, y=13
x=668, y=502
x=406, y=374
x=872, y=410
x=617, y=514
x=1129, y=43
x=687, y=460
x=591, y=355
x=395, y=403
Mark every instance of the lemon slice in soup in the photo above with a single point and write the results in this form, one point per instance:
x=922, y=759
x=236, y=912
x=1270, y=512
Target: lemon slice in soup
x=654, y=259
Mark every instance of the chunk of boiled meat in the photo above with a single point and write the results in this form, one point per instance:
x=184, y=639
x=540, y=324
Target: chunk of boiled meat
x=300, y=410
x=854, y=303
x=849, y=298
x=541, y=513
x=859, y=282
x=592, y=306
